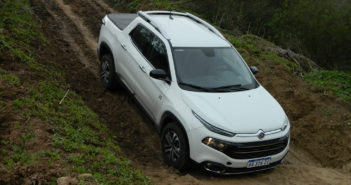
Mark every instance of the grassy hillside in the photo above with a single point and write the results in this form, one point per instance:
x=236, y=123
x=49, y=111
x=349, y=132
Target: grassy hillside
x=46, y=130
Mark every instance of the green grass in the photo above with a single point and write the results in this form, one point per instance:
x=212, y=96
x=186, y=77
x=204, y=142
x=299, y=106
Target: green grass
x=52, y=155
x=250, y=48
x=13, y=153
x=78, y=138
x=18, y=30
x=135, y=5
x=79, y=132
x=12, y=79
x=337, y=82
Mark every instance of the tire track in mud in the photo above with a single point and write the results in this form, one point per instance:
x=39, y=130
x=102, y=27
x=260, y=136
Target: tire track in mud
x=67, y=36
x=104, y=5
x=89, y=17
x=137, y=138
x=88, y=37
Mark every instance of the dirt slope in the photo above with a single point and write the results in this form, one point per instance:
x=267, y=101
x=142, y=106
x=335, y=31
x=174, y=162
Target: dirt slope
x=75, y=24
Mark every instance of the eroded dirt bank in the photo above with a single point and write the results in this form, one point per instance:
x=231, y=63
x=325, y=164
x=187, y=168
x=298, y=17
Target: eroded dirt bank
x=75, y=25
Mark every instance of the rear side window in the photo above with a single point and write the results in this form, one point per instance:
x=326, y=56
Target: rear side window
x=152, y=47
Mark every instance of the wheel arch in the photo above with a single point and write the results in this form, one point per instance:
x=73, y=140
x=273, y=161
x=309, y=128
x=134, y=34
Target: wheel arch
x=169, y=117
x=104, y=49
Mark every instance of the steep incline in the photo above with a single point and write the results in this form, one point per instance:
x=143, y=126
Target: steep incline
x=78, y=22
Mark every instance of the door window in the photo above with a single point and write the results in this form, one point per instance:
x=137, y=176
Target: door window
x=152, y=47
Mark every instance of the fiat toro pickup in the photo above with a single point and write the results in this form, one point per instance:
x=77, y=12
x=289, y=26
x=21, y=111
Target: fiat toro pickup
x=197, y=89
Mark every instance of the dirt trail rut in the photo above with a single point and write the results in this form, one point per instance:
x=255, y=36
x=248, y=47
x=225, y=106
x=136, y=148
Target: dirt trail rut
x=104, y=5
x=88, y=37
x=79, y=22
x=69, y=38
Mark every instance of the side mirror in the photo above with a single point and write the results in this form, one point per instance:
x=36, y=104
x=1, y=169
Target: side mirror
x=254, y=69
x=159, y=74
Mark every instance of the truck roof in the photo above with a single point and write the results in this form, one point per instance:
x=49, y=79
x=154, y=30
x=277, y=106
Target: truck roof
x=122, y=20
x=183, y=31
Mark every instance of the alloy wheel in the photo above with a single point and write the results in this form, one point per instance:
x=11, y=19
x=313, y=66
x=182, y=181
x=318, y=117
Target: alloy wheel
x=171, y=146
x=105, y=72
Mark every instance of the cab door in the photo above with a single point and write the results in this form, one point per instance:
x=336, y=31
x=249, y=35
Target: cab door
x=149, y=53
x=126, y=65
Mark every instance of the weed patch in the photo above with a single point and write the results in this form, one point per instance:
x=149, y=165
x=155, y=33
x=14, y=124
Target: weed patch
x=18, y=30
x=12, y=79
x=251, y=50
x=335, y=81
x=79, y=132
x=13, y=154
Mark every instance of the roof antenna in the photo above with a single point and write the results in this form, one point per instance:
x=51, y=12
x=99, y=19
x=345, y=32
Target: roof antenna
x=170, y=15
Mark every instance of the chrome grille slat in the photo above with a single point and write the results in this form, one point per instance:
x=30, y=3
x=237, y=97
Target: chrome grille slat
x=256, y=149
x=256, y=146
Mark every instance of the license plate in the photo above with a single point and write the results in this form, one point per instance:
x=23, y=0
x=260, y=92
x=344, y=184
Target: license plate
x=258, y=162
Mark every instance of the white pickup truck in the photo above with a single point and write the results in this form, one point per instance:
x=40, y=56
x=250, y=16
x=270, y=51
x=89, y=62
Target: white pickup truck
x=197, y=89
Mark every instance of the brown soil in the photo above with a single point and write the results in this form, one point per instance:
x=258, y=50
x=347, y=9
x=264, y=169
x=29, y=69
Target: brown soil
x=320, y=145
x=12, y=129
x=319, y=120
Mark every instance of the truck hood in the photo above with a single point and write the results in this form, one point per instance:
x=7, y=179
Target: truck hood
x=238, y=112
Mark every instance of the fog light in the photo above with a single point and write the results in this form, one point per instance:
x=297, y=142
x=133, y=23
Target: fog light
x=214, y=143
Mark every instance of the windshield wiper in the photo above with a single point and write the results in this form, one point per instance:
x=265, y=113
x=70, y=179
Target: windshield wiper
x=237, y=87
x=206, y=89
x=195, y=86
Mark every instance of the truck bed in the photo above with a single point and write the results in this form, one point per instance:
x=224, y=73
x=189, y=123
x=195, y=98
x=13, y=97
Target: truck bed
x=121, y=20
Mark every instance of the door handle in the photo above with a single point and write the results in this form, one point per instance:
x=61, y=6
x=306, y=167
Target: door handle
x=124, y=46
x=142, y=68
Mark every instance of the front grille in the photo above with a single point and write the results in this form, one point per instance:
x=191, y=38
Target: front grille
x=256, y=149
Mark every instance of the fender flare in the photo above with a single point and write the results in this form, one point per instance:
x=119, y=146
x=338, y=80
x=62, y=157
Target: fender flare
x=101, y=49
x=170, y=116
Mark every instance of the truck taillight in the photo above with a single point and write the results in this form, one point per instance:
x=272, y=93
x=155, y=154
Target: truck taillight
x=103, y=21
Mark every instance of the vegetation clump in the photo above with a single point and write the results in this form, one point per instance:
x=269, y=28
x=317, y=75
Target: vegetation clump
x=335, y=81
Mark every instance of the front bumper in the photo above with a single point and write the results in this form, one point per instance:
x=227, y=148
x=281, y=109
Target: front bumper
x=220, y=163
x=223, y=170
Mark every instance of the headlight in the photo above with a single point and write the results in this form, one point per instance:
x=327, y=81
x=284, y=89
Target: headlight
x=285, y=124
x=214, y=143
x=213, y=128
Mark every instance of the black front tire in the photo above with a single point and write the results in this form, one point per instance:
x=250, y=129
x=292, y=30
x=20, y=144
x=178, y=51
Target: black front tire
x=108, y=72
x=175, y=147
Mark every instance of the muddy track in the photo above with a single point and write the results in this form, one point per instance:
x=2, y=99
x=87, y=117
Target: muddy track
x=78, y=23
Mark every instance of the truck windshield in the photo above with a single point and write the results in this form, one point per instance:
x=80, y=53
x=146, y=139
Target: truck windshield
x=212, y=70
